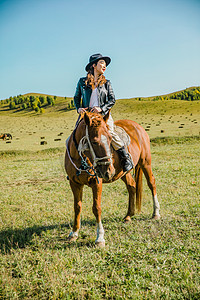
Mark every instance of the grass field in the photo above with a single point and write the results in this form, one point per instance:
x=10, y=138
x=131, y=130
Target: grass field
x=145, y=259
x=159, y=118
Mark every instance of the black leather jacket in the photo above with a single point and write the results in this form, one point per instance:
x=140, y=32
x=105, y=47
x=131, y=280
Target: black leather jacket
x=105, y=94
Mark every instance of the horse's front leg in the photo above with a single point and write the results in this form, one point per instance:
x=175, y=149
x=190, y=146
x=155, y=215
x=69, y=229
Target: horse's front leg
x=97, y=191
x=77, y=190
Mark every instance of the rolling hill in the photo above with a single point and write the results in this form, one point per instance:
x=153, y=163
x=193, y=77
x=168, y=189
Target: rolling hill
x=36, y=103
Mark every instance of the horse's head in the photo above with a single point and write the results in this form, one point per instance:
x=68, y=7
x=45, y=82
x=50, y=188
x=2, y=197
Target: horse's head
x=99, y=140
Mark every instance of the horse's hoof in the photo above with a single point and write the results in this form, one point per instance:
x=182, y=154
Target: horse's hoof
x=100, y=244
x=127, y=219
x=156, y=217
x=72, y=237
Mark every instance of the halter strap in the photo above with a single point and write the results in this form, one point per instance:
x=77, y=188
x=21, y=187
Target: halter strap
x=84, y=165
x=94, y=157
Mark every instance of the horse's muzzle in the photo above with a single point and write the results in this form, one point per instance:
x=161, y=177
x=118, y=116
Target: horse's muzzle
x=105, y=172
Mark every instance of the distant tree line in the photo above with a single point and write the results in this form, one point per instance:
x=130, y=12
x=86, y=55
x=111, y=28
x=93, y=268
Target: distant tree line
x=191, y=94
x=36, y=103
x=188, y=95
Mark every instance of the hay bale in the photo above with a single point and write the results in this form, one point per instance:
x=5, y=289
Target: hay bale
x=43, y=142
x=162, y=131
x=56, y=140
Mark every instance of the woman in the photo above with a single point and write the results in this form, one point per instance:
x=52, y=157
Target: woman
x=95, y=92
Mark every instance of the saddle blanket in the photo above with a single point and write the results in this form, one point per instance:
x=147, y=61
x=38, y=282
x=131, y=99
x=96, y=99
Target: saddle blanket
x=83, y=145
x=123, y=135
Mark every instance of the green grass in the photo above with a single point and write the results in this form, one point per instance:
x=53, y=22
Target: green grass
x=171, y=140
x=170, y=118
x=143, y=260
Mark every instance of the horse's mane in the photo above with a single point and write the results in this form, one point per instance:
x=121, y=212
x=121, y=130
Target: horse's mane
x=96, y=120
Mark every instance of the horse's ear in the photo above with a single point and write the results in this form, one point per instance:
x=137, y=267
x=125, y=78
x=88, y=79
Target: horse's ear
x=87, y=119
x=106, y=117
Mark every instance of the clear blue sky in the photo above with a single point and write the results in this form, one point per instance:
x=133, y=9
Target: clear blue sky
x=45, y=44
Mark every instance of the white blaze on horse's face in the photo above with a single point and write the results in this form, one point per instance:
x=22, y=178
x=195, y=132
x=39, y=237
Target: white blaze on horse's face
x=105, y=170
x=104, y=141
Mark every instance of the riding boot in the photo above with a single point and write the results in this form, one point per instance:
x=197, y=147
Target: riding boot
x=125, y=160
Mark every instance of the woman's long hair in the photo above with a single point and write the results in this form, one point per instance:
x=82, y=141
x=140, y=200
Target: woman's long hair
x=90, y=79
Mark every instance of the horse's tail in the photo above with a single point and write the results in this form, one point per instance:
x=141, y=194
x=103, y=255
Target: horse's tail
x=138, y=180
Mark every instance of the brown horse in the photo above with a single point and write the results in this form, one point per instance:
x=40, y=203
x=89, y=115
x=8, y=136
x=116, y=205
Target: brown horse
x=6, y=136
x=90, y=160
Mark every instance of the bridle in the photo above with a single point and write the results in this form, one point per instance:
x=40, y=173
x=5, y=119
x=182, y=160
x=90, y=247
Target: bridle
x=96, y=160
x=85, y=144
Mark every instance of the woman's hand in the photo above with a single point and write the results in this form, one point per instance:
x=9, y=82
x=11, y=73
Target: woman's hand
x=81, y=110
x=96, y=109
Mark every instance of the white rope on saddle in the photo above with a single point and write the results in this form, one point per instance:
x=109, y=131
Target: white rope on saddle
x=70, y=156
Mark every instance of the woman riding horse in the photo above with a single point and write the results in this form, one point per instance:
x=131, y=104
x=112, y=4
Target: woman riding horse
x=95, y=92
x=89, y=159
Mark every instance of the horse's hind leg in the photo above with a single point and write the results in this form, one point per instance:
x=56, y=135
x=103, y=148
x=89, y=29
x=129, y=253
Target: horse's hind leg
x=131, y=187
x=77, y=190
x=147, y=170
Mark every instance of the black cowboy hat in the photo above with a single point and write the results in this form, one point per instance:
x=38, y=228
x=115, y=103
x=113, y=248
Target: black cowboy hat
x=94, y=59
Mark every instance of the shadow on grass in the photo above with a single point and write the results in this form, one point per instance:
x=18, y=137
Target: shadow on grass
x=21, y=238
x=5, y=109
x=65, y=109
